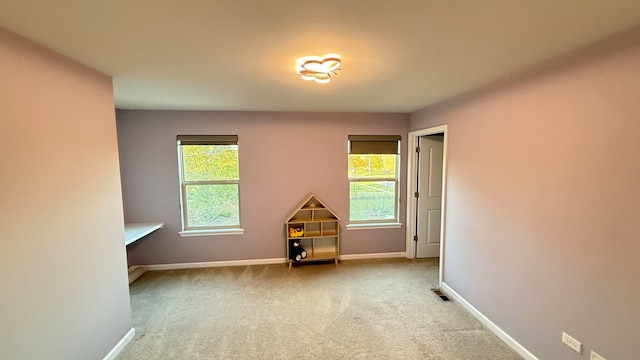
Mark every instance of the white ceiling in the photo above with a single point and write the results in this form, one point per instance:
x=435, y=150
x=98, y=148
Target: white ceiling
x=398, y=56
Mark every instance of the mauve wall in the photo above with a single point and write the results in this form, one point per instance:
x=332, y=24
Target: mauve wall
x=63, y=277
x=283, y=158
x=542, y=232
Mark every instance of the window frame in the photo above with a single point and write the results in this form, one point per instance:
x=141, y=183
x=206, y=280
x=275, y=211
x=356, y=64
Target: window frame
x=205, y=140
x=376, y=145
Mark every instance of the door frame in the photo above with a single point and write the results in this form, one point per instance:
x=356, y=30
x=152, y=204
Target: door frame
x=412, y=175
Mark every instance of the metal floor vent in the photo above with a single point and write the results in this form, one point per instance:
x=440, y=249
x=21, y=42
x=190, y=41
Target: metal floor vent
x=441, y=295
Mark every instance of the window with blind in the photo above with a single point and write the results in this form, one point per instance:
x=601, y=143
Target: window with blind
x=374, y=163
x=209, y=182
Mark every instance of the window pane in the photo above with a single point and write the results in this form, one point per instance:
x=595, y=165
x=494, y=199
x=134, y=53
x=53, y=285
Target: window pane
x=213, y=205
x=372, y=166
x=372, y=200
x=210, y=162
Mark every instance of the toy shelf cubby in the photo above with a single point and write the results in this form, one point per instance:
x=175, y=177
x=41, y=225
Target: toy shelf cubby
x=315, y=229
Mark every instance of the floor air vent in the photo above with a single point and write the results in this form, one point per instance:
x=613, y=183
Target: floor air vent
x=441, y=295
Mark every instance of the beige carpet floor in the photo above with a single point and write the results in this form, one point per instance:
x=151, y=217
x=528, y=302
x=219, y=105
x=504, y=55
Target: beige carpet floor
x=361, y=309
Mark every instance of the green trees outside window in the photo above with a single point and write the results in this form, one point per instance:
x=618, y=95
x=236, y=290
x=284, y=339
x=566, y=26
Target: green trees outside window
x=210, y=180
x=373, y=185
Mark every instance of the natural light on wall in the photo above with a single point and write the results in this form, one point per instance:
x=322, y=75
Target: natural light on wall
x=318, y=68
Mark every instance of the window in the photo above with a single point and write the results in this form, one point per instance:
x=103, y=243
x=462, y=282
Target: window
x=373, y=178
x=209, y=182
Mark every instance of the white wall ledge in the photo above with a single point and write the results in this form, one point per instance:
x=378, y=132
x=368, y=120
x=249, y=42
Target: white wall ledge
x=211, y=232
x=391, y=225
x=136, y=231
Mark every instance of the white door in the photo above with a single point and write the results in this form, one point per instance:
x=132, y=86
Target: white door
x=429, y=197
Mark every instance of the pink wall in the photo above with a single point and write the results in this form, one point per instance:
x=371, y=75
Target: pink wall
x=543, y=201
x=63, y=271
x=283, y=157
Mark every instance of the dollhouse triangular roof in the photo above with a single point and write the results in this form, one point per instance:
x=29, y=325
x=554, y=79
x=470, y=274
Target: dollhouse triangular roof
x=311, y=202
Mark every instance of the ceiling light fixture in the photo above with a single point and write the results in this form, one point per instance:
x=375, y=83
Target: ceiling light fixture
x=318, y=68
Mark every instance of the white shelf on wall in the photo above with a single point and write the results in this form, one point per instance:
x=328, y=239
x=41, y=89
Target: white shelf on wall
x=136, y=231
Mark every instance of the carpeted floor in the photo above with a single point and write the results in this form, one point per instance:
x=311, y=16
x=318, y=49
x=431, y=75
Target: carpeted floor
x=364, y=309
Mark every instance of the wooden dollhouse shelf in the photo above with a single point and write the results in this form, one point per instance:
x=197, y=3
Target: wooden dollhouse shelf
x=320, y=237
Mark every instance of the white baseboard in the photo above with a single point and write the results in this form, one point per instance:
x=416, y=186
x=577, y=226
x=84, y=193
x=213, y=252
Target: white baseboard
x=373, y=256
x=120, y=345
x=489, y=324
x=196, y=265
x=135, y=272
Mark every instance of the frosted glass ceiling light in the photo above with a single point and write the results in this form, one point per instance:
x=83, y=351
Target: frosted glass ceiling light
x=318, y=68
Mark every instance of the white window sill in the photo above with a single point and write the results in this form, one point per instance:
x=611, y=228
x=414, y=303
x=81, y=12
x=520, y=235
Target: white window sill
x=389, y=225
x=211, y=232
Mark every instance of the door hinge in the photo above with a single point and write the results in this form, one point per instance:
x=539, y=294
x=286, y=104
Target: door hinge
x=417, y=194
x=417, y=149
x=415, y=238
